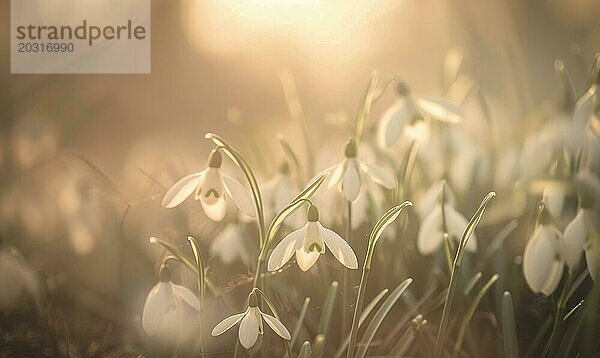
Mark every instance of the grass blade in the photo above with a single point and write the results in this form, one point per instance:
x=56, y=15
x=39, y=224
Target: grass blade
x=509, y=330
x=363, y=317
x=472, y=282
x=305, y=351
x=379, y=316
x=300, y=321
x=471, y=311
x=442, y=333
x=326, y=315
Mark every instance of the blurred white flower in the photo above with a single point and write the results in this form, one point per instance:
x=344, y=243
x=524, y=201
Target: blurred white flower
x=575, y=238
x=430, y=236
x=431, y=198
x=211, y=187
x=16, y=278
x=309, y=243
x=228, y=245
x=542, y=260
x=278, y=192
x=351, y=173
x=169, y=308
x=407, y=116
x=252, y=324
x=554, y=199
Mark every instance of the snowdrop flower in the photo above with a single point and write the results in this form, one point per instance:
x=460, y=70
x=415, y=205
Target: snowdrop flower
x=432, y=196
x=351, y=173
x=16, y=278
x=228, y=245
x=168, y=309
x=542, y=260
x=430, y=236
x=407, y=116
x=211, y=187
x=251, y=324
x=575, y=237
x=309, y=243
x=554, y=199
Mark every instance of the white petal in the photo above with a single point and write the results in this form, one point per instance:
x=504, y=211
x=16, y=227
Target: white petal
x=591, y=258
x=158, y=303
x=227, y=323
x=249, y=328
x=429, y=238
x=187, y=296
x=575, y=240
x=393, y=121
x=306, y=260
x=539, y=260
x=277, y=326
x=378, y=175
x=339, y=248
x=227, y=244
x=285, y=249
x=181, y=190
x=441, y=109
x=554, y=199
x=215, y=211
x=553, y=277
x=457, y=224
x=239, y=195
x=335, y=175
x=351, y=181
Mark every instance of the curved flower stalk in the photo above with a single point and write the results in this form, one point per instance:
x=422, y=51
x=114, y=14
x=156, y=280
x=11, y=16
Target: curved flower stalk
x=229, y=244
x=407, y=116
x=168, y=309
x=351, y=173
x=576, y=233
x=251, y=323
x=542, y=260
x=16, y=278
x=442, y=219
x=308, y=243
x=584, y=108
x=211, y=187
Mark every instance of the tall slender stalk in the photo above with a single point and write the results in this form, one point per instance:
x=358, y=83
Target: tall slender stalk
x=442, y=333
x=346, y=284
x=378, y=229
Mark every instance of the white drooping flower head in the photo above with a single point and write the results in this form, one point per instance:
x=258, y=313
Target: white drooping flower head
x=278, y=192
x=350, y=175
x=251, y=323
x=554, y=199
x=441, y=220
x=211, y=188
x=229, y=246
x=308, y=243
x=16, y=278
x=169, y=309
x=542, y=261
x=408, y=116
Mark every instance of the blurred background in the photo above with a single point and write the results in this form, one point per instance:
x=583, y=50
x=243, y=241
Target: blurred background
x=218, y=66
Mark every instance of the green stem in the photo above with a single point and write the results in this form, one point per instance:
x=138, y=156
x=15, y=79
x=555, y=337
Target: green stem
x=346, y=284
x=558, y=319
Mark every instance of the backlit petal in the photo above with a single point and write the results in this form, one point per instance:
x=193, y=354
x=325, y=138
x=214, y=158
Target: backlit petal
x=351, y=184
x=159, y=302
x=441, y=109
x=277, y=326
x=181, y=190
x=575, y=240
x=240, y=196
x=285, y=249
x=539, y=260
x=339, y=248
x=227, y=323
x=249, y=328
x=429, y=237
x=215, y=211
x=306, y=260
x=378, y=175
